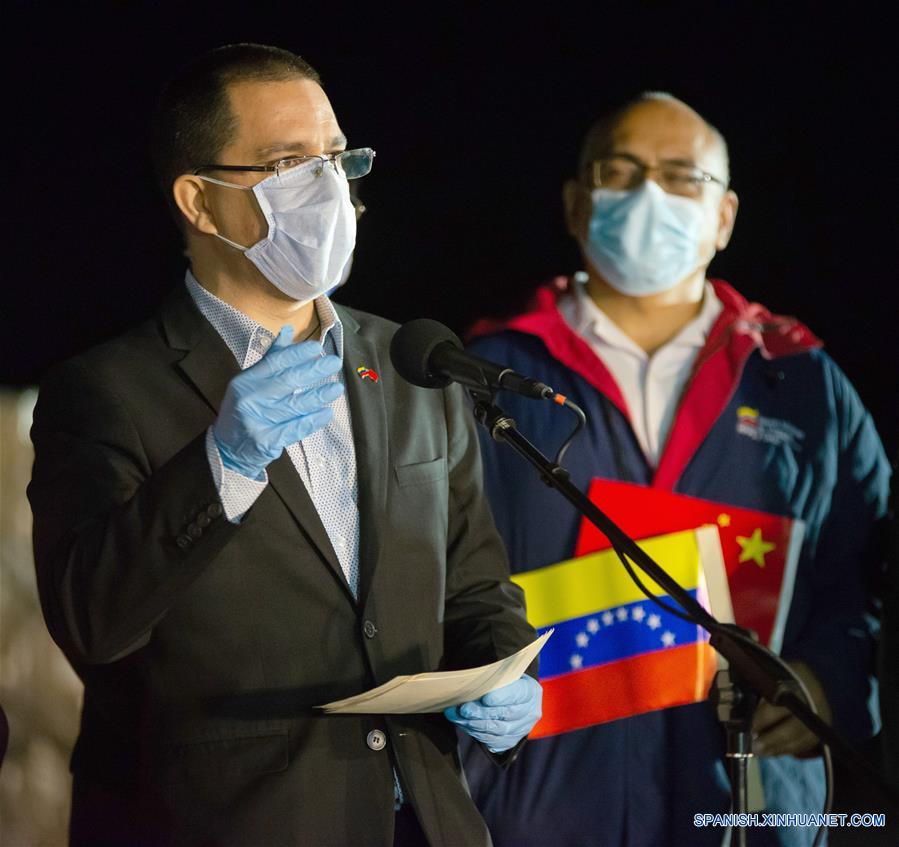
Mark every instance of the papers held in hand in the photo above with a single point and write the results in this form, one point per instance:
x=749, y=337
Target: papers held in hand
x=434, y=692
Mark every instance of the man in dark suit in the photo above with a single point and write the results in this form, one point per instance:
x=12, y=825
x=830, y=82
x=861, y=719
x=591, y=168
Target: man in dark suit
x=241, y=512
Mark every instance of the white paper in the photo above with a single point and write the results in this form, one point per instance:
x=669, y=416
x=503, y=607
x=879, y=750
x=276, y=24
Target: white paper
x=708, y=541
x=436, y=691
x=714, y=578
x=775, y=642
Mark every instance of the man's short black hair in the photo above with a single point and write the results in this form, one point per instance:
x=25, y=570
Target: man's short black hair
x=193, y=120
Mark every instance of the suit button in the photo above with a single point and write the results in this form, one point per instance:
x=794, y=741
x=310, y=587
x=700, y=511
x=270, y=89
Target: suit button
x=214, y=510
x=203, y=519
x=369, y=629
x=376, y=739
x=194, y=531
x=183, y=541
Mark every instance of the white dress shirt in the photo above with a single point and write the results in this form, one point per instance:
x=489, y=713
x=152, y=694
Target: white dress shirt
x=651, y=385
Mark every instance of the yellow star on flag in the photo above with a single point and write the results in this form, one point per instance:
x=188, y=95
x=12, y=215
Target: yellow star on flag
x=724, y=519
x=754, y=548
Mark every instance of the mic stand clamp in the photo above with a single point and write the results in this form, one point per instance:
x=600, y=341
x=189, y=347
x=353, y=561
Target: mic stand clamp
x=487, y=413
x=498, y=424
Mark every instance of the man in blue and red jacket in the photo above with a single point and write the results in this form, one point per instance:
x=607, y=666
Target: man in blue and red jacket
x=661, y=359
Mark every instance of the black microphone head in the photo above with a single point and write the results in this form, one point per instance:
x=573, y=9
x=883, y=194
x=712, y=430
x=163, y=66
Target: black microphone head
x=411, y=349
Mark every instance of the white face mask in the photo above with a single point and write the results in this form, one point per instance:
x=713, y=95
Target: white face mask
x=311, y=229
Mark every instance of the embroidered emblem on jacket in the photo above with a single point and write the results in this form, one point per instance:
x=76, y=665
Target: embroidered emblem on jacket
x=768, y=430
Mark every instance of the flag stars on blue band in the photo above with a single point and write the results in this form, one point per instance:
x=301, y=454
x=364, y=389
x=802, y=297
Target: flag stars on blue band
x=614, y=634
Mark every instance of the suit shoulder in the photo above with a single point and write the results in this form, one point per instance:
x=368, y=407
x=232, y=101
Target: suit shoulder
x=111, y=362
x=370, y=325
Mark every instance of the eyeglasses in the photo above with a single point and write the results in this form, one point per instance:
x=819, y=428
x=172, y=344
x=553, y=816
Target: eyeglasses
x=351, y=163
x=623, y=173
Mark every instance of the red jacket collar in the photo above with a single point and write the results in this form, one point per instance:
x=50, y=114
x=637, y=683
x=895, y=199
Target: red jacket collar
x=774, y=335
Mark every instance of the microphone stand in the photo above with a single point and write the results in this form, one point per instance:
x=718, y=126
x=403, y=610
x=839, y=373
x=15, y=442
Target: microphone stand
x=753, y=671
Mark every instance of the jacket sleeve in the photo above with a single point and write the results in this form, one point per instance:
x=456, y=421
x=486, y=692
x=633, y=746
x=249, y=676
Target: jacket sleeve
x=115, y=540
x=484, y=611
x=837, y=640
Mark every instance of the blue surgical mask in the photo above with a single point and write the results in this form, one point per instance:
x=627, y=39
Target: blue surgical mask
x=643, y=241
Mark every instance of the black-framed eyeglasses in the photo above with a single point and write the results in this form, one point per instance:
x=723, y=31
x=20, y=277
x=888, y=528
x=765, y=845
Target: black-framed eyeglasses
x=352, y=163
x=623, y=173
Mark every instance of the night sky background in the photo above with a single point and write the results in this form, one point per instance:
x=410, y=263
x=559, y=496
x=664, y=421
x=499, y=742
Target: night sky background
x=476, y=112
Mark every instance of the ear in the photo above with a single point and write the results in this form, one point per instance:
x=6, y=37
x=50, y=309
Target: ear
x=576, y=204
x=189, y=192
x=727, y=215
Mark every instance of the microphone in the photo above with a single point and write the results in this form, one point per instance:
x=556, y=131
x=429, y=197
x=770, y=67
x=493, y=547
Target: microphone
x=430, y=355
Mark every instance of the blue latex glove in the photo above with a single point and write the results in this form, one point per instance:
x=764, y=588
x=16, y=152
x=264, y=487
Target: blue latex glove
x=271, y=405
x=503, y=717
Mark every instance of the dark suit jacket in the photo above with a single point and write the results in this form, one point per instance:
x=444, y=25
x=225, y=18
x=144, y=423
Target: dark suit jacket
x=203, y=644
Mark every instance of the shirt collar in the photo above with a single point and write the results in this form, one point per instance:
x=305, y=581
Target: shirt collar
x=589, y=319
x=243, y=335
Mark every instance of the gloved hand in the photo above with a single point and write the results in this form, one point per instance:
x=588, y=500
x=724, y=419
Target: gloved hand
x=777, y=732
x=503, y=717
x=270, y=405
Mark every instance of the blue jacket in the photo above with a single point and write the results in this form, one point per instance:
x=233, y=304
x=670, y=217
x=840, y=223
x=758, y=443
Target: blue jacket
x=639, y=781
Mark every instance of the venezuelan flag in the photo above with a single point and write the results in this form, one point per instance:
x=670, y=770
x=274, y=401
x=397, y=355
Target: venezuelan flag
x=615, y=653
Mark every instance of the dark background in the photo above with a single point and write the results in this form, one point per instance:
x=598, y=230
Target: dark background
x=476, y=113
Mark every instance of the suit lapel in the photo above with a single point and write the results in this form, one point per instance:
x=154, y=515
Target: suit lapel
x=368, y=413
x=209, y=365
x=285, y=480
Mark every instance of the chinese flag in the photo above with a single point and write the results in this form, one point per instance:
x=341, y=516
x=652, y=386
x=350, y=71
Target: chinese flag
x=760, y=549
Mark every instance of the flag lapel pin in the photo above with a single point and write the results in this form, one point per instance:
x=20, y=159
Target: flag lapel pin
x=367, y=373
